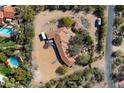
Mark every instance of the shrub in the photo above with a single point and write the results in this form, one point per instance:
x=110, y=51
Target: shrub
x=79, y=41
x=118, y=21
x=98, y=75
x=121, y=31
x=78, y=79
x=9, y=82
x=67, y=22
x=116, y=62
x=119, y=8
x=74, y=49
x=50, y=84
x=5, y=70
x=62, y=70
x=3, y=57
x=20, y=74
x=116, y=53
x=117, y=41
x=83, y=59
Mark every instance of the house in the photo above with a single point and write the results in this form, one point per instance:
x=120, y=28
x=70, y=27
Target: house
x=9, y=13
x=1, y=19
x=60, y=38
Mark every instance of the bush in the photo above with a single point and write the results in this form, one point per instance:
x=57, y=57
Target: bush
x=116, y=62
x=119, y=8
x=9, y=82
x=62, y=70
x=83, y=59
x=118, y=21
x=116, y=53
x=79, y=41
x=67, y=22
x=74, y=49
x=5, y=70
x=98, y=75
x=121, y=31
x=78, y=79
x=50, y=84
x=3, y=57
x=117, y=41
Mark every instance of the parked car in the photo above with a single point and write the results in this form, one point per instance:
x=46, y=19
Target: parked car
x=42, y=36
x=99, y=21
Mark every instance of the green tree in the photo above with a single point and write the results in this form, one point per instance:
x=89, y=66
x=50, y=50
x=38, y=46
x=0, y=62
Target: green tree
x=28, y=13
x=6, y=70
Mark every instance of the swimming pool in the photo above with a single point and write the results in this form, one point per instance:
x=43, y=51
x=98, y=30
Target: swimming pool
x=14, y=61
x=5, y=31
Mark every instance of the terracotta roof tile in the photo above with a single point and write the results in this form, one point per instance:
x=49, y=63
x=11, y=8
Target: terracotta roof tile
x=8, y=9
x=9, y=12
x=61, y=40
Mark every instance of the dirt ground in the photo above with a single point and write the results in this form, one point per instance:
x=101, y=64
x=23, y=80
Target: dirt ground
x=44, y=60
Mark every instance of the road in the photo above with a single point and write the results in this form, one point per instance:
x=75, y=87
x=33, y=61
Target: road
x=108, y=49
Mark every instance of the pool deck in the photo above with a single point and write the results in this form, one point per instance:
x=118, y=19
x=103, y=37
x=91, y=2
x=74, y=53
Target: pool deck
x=6, y=36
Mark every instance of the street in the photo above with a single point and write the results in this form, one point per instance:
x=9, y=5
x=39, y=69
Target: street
x=108, y=47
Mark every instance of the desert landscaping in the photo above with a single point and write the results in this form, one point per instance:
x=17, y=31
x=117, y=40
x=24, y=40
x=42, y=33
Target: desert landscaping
x=45, y=59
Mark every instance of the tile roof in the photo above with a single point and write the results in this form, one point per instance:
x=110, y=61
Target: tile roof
x=60, y=37
x=9, y=12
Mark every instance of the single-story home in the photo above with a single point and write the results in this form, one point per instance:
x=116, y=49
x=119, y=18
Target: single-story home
x=61, y=38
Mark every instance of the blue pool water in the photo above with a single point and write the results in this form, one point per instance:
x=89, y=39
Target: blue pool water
x=14, y=61
x=5, y=31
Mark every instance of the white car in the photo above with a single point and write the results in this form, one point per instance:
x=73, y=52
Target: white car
x=43, y=35
x=99, y=21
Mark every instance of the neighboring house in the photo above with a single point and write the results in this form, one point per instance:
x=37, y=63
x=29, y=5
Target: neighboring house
x=9, y=13
x=1, y=19
x=60, y=38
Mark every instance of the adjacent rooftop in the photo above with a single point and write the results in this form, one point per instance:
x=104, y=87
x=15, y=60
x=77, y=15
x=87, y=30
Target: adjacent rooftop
x=9, y=12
